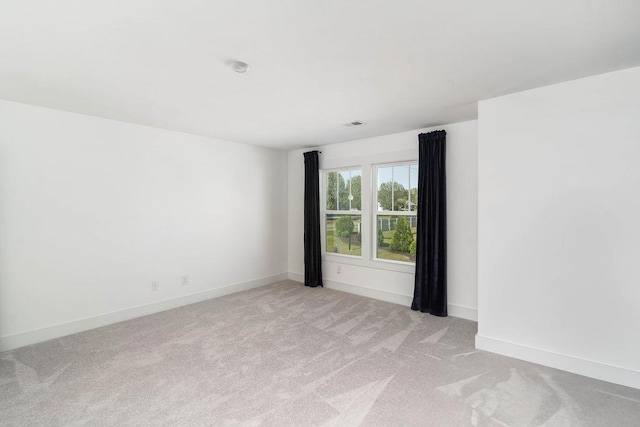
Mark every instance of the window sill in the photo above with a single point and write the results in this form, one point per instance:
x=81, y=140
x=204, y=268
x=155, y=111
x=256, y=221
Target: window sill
x=400, y=267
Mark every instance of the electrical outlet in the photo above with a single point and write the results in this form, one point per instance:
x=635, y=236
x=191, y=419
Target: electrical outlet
x=155, y=286
x=185, y=280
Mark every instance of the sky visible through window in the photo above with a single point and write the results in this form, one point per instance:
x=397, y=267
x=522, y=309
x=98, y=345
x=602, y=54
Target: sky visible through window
x=406, y=175
x=404, y=180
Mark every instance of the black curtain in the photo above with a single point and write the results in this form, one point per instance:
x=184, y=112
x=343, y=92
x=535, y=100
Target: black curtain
x=312, y=255
x=430, y=292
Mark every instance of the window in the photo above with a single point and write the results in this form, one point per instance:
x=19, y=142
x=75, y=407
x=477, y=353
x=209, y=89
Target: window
x=343, y=216
x=395, y=217
x=376, y=228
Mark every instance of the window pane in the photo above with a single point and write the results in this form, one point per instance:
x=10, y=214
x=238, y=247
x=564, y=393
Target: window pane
x=401, y=188
x=332, y=200
x=413, y=187
x=396, y=237
x=398, y=188
x=344, y=190
x=344, y=234
x=385, y=188
x=356, y=190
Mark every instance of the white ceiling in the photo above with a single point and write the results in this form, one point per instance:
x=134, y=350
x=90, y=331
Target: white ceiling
x=314, y=64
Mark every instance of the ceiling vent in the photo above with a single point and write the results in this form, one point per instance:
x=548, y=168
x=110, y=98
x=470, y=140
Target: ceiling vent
x=355, y=123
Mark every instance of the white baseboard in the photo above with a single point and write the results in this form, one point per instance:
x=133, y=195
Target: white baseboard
x=22, y=339
x=368, y=292
x=296, y=277
x=576, y=365
x=454, y=310
x=463, y=312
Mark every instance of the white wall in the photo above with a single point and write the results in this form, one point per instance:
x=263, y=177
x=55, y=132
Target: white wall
x=93, y=210
x=397, y=286
x=559, y=226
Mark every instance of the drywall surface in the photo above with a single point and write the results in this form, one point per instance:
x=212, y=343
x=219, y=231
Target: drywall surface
x=92, y=211
x=384, y=280
x=559, y=229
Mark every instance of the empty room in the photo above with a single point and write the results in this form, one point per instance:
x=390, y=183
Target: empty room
x=321, y=212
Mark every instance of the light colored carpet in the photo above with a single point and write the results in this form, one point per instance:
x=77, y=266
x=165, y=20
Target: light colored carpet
x=289, y=355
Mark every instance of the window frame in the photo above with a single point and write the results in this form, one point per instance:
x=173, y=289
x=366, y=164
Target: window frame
x=324, y=173
x=375, y=213
x=365, y=163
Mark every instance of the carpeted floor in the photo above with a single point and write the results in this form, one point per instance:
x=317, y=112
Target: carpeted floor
x=289, y=355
